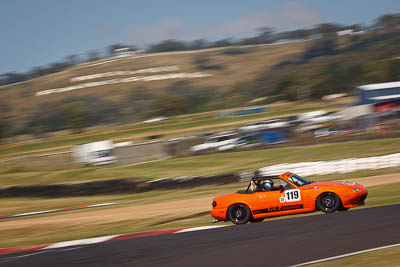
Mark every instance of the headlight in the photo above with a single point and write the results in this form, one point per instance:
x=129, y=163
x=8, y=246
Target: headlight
x=356, y=190
x=214, y=204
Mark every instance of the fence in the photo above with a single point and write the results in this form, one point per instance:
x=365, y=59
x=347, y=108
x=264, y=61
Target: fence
x=135, y=153
x=140, y=152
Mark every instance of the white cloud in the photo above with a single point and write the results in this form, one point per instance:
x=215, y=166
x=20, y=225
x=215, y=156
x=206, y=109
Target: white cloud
x=286, y=16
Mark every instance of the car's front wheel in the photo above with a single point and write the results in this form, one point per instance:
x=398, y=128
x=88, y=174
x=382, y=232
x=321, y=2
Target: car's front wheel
x=239, y=213
x=328, y=202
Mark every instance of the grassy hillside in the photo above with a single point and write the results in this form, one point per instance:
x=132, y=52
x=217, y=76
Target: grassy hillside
x=198, y=81
x=226, y=70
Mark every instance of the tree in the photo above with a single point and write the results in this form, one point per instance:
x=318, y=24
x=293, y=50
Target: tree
x=301, y=34
x=327, y=28
x=74, y=114
x=58, y=66
x=194, y=97
x=13, y=77
x=72, y=60
x=168, y=45
x=38, y=131
x=168, y=105
x=287, y=87
x=354, y=27
x=205, y=63
x=93, y=55
x=240, y=93
x=266, y=34
x=336, y=77
x=5, y=119
x=250, y=41
x=3, y=129
x=39, y=71
x=198, y=44
x=137, y=102
x=393, y=67
x=320, y=47
x=222, y=43
x=374, y=72
x=388, y=21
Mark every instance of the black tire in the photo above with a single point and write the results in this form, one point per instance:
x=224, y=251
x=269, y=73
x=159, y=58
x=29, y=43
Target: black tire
x=256, y=220
x=343, y=208
x=239, y=213
x=328, y=202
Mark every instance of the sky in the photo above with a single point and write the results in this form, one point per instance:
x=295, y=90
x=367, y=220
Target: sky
x=40, y=32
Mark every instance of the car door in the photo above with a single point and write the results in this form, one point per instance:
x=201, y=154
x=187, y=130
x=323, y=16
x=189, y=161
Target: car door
x=292, y=199
x=267, y=202
x=285, y=199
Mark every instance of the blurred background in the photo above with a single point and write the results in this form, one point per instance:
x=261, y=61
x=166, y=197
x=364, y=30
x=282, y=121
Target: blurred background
x=133, y=92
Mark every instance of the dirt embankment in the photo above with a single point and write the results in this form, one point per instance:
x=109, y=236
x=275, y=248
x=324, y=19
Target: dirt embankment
x=116, y=186
x=175, y=208
x=377, y=180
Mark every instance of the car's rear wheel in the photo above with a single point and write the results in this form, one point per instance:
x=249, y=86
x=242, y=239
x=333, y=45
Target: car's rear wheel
x=328, y=202
x=239, y=213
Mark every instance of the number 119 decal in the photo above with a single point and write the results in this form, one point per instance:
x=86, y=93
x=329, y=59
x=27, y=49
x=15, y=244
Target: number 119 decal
x=292, y=195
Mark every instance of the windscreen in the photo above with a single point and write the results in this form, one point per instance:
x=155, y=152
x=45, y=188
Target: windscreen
x=298, y=180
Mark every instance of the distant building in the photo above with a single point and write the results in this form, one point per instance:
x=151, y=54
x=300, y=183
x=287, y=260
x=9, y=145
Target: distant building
x=376, y=93
x=374, y=99
x=345, y=32
x=126, y=52
x=349, y=32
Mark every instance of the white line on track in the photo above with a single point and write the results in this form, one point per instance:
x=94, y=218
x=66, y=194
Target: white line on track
x=32, y=213
x=68, y=249
x=80, y=242
x=8, y=259
x=21, y=256
x=346, y=255
x=59, y=210
x=199, y=228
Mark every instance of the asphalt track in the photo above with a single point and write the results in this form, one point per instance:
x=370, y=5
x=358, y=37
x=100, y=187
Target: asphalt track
x=271, y=243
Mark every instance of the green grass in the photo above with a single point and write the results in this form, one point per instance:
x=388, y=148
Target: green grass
x=385, y=257
x=206, y=164
x=353, y=175
x=59, y=232
x=21, y=205
x=55, y=232
x=171, y=128
x=382, y=195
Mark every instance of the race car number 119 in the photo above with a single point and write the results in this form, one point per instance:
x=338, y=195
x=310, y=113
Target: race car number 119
x=292, y=195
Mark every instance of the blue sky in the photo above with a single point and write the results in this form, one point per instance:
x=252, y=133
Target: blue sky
x=39, y=32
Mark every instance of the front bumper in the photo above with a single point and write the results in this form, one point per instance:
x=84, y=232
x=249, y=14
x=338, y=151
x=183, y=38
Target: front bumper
x=362, y=199
x=355, y=199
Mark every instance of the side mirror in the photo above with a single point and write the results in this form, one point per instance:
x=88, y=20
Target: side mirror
x=281, y=188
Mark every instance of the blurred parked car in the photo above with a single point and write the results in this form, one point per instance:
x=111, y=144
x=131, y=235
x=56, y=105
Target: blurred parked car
x=270, y=124
x=217, y=141
x=326, y=132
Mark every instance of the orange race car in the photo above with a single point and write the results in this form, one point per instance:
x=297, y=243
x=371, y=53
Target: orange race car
x=288, y=193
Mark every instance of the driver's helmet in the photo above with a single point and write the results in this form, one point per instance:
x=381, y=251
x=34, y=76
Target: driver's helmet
x=268, y=184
